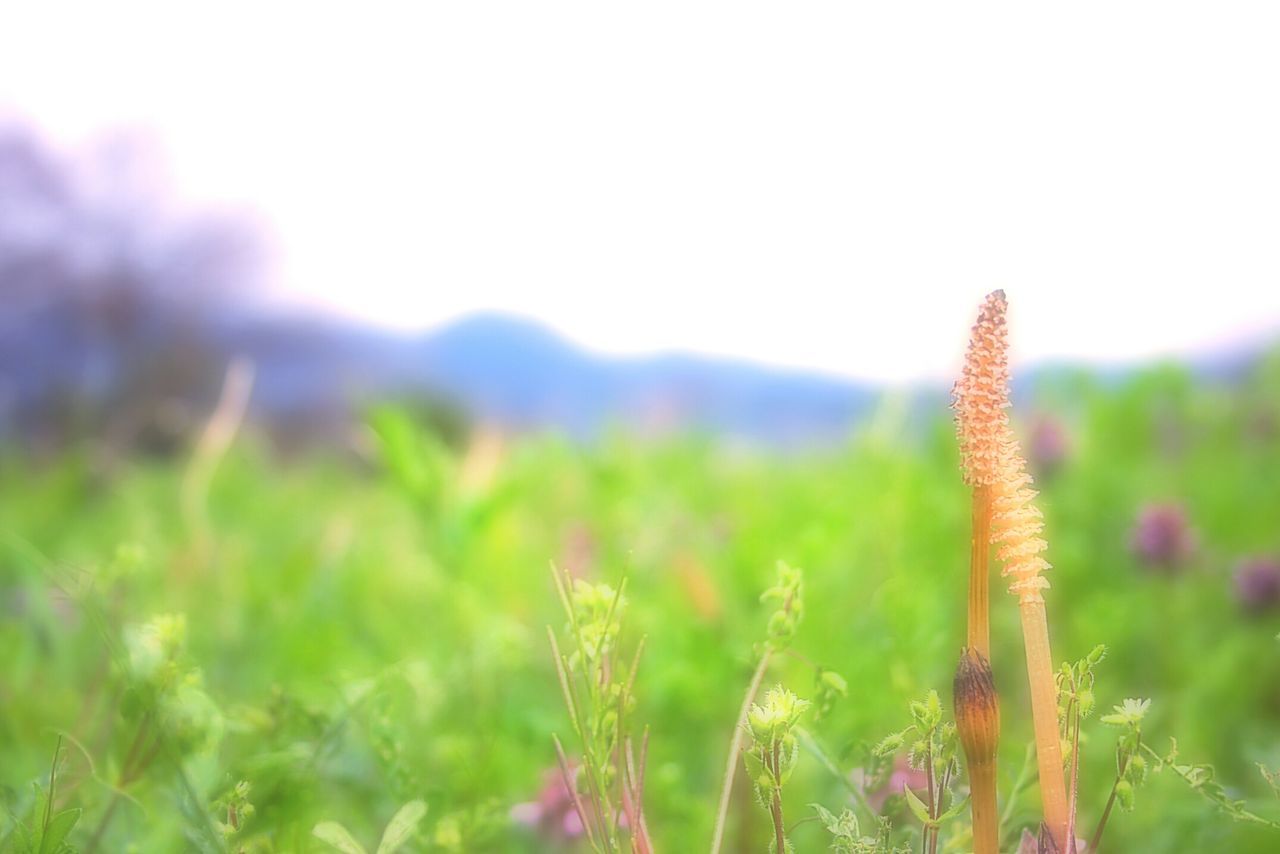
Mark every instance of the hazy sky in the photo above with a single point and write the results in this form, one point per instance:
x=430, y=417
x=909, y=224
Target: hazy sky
x=826, y=185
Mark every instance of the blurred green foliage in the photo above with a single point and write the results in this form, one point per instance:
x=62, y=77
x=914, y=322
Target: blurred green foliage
x=333, y=643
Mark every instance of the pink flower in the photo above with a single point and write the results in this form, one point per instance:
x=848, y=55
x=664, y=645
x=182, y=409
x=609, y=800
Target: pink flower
x=903, y=775
x=552, y=813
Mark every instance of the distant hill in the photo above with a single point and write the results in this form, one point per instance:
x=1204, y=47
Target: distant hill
x=63, y=366
x=517, y=373
x=498, y=368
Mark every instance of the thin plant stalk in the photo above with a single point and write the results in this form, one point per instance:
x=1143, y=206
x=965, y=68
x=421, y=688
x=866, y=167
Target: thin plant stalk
x=599, y=796
x=1106, y=811
x=632, y=783
x=127, y=775
x=1044, y=717
x=740, y=726
x=571, y=787
x=53, y=787
x=633, y=794
x=1017, y=525
x=979, y=634
x=943, y=788
x=931, y=833
x=735, y=749
x=775, y=804
x=1073, y=784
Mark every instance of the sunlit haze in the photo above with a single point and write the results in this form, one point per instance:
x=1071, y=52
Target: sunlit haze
x=815, y=185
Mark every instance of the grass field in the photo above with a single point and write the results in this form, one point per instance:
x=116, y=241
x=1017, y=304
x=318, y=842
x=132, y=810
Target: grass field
x=347, y=639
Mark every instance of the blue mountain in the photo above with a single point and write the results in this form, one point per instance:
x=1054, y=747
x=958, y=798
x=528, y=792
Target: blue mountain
x=517, y=373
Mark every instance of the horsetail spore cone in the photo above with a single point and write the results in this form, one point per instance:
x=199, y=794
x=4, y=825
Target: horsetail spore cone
x=980, y=398
x=981, y=395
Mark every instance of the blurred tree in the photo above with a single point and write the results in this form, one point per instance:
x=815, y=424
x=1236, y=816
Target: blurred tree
x=108, y=299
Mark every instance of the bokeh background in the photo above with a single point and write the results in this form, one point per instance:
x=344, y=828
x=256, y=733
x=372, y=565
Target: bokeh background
x=323, y=334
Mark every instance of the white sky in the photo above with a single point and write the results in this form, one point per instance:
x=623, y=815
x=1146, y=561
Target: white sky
x=824, y=185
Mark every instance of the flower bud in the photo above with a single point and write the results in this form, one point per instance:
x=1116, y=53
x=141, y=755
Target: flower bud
x=774, y=719
x=1124, y=794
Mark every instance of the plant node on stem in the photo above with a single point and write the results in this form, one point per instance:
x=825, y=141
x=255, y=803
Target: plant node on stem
x=978, y=726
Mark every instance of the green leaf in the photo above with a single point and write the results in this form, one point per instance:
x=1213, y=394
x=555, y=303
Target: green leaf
x=954, y=810
x=401, y=826
x=337, y=837
x=57, y=829
x=23, y=841
x=829, y=821
x=918, y=809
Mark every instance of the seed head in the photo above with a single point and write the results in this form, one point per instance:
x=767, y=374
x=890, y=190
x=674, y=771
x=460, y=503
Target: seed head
x=981, y=395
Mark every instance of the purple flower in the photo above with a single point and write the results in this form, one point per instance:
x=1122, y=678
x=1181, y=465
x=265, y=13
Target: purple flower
x=1162, y=537
x=1257, y=583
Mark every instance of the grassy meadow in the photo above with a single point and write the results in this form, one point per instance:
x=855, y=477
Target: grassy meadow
x=348, y=638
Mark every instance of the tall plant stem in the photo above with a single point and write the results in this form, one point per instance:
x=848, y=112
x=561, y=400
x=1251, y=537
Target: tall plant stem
x=978, y=724
x=1044, y=714
x=979, y=560
x=986, y=822
x=735, y=748
x=982, y=772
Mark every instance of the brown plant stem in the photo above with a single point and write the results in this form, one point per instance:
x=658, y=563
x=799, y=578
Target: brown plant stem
x=982, y=789
x=775, y=803
x=979, y=636
x=779, y=834
x=1044, y=715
